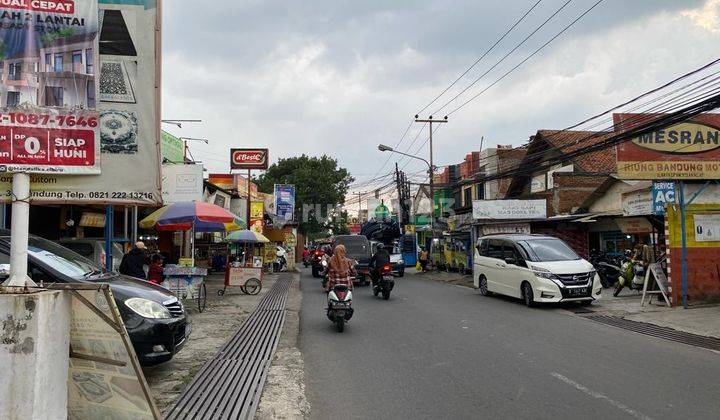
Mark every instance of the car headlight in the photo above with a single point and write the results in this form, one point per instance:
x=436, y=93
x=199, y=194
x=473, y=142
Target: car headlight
x=547, y=274
x=401, y=262
x=147, y=308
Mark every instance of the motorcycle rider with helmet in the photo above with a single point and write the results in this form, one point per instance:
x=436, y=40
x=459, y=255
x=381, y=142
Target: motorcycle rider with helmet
x=381, y=258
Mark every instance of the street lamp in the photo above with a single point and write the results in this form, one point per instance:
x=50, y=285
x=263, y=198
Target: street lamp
x=185, y=140
x=431, y=172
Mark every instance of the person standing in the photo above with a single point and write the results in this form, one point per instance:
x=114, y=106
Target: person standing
x=423, y=259
x=155, y=272
x=132, y=262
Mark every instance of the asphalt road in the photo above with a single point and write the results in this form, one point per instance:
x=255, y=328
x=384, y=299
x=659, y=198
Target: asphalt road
x=441, y=351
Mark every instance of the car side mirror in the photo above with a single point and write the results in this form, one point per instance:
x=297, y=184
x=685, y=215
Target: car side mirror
x=510, y=261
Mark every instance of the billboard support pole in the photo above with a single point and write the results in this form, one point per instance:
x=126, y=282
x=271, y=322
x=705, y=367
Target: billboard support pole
x=683, y=252
x=109, y=233
x=19, y=227
x=247, y=213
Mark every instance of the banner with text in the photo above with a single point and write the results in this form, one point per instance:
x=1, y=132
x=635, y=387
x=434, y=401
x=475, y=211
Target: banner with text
x=509, y=209
x=285, y=202
x=123, y=83
x=49, y=123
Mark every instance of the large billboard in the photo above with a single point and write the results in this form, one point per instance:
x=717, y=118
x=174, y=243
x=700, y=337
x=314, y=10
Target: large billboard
x=249, y=158
x=127, y=99
x=182, y=183
x=688, y=150
x=285, y=202
x=48, y=92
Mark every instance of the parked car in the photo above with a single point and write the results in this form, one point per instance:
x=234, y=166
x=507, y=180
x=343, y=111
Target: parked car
x=154, y=318
x=396, y=259
x=357, y=248
x=94, y=250
x=535, y=268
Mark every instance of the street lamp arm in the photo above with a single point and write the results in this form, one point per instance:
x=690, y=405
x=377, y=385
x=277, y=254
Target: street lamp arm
x=412, y=156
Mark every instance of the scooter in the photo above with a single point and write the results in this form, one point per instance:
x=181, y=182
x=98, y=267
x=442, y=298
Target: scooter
x=607, y=267
x=339, y=304
x=385, y=283
x=632, y=276
x=323, y=272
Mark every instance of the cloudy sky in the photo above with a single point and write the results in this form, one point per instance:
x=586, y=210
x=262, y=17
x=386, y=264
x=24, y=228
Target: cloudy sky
x=339, y=77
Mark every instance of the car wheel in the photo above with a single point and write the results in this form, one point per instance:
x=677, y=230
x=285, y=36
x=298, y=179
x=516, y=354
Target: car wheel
x=483, y=286
x=527, y=295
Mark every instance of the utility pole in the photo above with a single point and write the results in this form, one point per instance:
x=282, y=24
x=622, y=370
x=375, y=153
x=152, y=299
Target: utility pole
x=430, y=121
x=359, y=194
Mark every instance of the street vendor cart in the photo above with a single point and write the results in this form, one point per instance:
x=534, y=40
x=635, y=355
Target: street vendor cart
x=245, y=272
x=186, y=280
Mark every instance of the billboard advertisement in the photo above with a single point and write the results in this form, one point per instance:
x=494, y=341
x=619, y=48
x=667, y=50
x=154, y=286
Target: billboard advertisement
x=182, y=183
x=509, y=209
x=172, y=148
x=256, y=216
x=249, y=158
x=285, y=202
x=121, y=75
x=48, y=91
x=688, y=150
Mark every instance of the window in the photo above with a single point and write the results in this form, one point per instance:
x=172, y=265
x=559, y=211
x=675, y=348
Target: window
x=53, y=96
x=550, y=249
x=13, y=99
x=483, y=248
x=58, y=63
x=90, y=94
x=48, y=63
x=77, y=66
x=495, y=249
x=480, y=191
x=14, y=71
x=89, y=67
x=467, y=197
x=513, y=251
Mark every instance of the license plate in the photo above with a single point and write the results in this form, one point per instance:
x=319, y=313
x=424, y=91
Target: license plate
x=581, y=291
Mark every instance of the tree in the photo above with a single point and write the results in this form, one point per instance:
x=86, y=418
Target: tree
x=320, y=188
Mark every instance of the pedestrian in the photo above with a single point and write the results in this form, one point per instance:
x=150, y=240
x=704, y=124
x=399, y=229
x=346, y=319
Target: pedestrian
x=423, y=259
x=155, y=272
x=132, y=262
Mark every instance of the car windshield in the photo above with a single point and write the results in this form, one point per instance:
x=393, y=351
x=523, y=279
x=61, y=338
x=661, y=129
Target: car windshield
x=550, y=249
x=355, y=246
x=61, y=259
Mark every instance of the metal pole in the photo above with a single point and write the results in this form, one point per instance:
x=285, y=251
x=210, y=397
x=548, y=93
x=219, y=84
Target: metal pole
x=432, y=182
x=248, y=200
x=109, y=232
x=19, y=231
x=683, y=251
x=133, y=239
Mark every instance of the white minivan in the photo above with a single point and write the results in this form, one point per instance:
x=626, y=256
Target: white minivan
x=535, y=268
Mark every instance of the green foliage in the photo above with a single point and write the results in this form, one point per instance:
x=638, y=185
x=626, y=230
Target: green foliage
x=52, y=36
x=319, y=183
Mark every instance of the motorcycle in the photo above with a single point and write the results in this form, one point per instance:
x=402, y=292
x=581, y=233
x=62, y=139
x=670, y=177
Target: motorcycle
x=607, y=267
x=339, y=304
x=323, y=272
x=632, y=276
x=316, y=259
x=385, y=282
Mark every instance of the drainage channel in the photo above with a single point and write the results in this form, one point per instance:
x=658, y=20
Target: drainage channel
x=666, y=333
x=230, y=384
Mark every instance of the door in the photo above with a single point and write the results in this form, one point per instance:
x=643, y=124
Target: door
x=493, y=265
x=515, y=273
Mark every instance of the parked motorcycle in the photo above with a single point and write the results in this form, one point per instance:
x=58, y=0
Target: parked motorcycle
x=607, y=267
x=632, y=276
x=385, y=282
x=339, y=304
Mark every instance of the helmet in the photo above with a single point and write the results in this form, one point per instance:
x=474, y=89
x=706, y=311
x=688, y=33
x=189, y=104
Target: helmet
x=380, y=246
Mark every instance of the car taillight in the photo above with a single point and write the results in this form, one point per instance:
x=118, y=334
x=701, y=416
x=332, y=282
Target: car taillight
x=318, y=253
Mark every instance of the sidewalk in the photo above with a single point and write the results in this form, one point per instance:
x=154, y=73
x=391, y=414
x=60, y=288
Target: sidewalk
x=702, y=320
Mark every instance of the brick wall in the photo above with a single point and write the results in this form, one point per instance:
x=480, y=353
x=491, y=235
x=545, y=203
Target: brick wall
x=570, y=190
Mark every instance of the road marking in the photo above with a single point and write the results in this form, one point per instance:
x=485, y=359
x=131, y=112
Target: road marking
x=599, y=396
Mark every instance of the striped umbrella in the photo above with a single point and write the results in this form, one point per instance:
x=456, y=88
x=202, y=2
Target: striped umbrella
x=247, y=236
x=197, y=215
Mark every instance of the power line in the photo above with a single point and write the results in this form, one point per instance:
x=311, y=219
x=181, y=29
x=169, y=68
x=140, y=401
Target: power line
x=504, y=57
x=527, y=58
x=517, y=22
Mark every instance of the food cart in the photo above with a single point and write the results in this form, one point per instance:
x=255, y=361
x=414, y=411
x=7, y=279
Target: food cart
x=246, y=271
x=186, y=280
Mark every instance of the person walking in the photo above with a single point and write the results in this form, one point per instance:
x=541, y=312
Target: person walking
x=132, y=262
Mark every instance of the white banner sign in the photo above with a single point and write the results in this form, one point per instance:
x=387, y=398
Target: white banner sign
x=506, y=228
x=637, y=203
x=707, y=227
x=182, y=183
x=509, y=209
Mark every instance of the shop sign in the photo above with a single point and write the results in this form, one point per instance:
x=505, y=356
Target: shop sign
x=172, y=148
x=270, y=253
x=127, y=138
x=95, y=220
x=634, y=225
x=249, y=158
x=290, y=239
x=663, y=193
x=538, y=183
x=637, y=203
x=241, y=184
x=687, y=150
x=285, y=202
x=49, y=125
x=707, y=227
x=182, y=183
x=523, y=228
x=256, y=216
x=509, y=209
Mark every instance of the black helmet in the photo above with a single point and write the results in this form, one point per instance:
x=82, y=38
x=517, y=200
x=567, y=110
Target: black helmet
x=380, y=246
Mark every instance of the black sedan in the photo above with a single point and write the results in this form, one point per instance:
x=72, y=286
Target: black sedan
x=154, y=318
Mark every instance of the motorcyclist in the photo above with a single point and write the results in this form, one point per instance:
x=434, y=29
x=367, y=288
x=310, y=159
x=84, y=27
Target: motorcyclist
x=377, y=262
x=340, y=268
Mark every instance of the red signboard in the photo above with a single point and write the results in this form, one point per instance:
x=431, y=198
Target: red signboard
x=45, y=6
x=37, y=149
x=249, y=158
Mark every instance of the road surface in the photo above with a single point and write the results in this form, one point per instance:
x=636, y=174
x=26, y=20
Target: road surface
x=442, y=351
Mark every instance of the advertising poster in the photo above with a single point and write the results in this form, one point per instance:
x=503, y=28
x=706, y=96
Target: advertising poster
x=249, y=158
x=104, y=377
x=49, y=122
x=285, y=202
x=172, y=148
x=241, y=183
x=663, y=193
x=182, y=183
x=707, y=227
x=256, y=216
x=688, y=150
x=126, y=94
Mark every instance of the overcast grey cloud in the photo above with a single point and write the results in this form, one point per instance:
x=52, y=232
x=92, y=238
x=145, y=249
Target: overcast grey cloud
x=339, y=77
